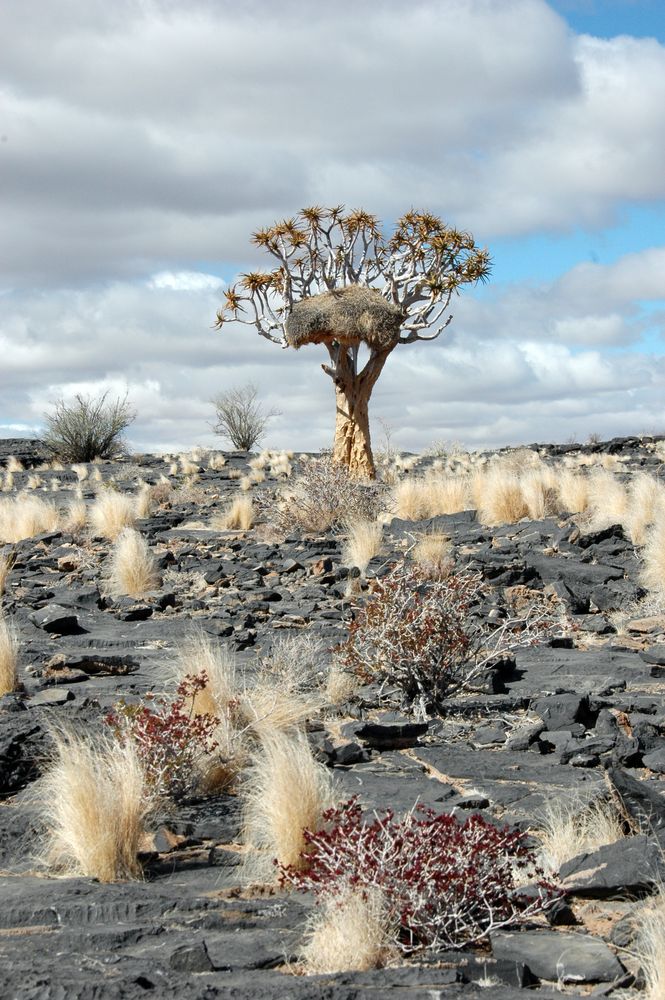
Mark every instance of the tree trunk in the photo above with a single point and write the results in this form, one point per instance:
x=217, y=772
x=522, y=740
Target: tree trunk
x=352, y=446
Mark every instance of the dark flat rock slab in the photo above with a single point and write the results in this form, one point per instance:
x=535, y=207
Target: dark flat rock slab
x=550, y=955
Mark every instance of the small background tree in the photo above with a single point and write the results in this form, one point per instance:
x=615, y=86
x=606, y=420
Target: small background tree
x=340, y=283
x=240, y=417
x=90, y=427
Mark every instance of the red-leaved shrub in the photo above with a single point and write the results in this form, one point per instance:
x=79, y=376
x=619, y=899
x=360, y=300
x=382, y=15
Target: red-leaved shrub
x=447, y=883
x=170, y=738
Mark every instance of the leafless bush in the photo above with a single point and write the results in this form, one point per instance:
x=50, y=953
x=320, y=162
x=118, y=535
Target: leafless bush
x=324, y=497
x=240, y=417
x=88, y=428
x=426, y=636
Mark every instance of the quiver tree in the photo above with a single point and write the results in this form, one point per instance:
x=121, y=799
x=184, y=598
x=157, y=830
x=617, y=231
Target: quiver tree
x=340, y=283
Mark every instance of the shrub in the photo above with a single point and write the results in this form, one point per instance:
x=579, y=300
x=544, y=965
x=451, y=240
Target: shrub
x=420, y=634
x=447, y=883
x=94, y=802
x=325, y=497
x=171, y=740
x=90, y=427
x=240, y=418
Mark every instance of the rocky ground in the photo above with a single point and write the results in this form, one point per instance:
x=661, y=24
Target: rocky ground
x=576, y=716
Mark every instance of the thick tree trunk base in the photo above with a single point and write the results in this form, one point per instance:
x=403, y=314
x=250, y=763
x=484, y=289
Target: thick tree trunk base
x=352, y=446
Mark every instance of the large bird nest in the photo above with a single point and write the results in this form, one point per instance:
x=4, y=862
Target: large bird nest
x=351, y=315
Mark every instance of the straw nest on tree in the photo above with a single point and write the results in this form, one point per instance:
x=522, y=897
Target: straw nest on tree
x=350, y=315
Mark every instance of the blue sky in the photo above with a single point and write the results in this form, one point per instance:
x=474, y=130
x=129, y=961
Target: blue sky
x=152, y=137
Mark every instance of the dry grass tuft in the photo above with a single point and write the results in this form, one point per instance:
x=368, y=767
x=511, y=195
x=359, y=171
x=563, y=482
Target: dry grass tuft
x=428, y=496
x=286, y=792
x=133, y=570
x=13, y=464
x=350, y=932
x=498, y=495
x=94, y=803
x=650, y=945
x=25, y=516
x=433, y=552
x=239, y=516
x=568, y=827
x=76, y=516
x=7, y=560
x=653, y=559
x=573, y=490
x=111, y=513
x=8, y=657
x=363, y=542
x=608, y=500
x=646, y=505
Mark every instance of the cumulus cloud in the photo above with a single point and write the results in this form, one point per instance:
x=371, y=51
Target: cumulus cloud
x=142, y=141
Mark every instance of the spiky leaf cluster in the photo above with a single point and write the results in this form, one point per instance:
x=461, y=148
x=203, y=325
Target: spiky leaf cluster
x=418, y=269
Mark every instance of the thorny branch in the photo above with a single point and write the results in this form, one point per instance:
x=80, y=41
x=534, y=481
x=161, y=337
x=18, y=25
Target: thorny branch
x=418, y=269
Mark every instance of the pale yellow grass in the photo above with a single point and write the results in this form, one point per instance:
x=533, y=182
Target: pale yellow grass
x=351, y=931
x=539, y=491
x=76, y=516
x=238, y=516
x=34, y=481
x=82, y=471
x=433, y=553
x=429, y=496
x=144, y=500
x=341, y=685
x=286, y=791
x=216, y=462
x=608, y=500
x=94, y=803
x=650, y=945
x=111, y=512
x=8, y=657
x=25, y=516
x=7, y=560
x=653, y=558
x=498, y=496
x=133, y=570
x=13, y=464
x=8, y=482
x=646, y=505
x=363, y=542
x=568, y=827
x=573, y=490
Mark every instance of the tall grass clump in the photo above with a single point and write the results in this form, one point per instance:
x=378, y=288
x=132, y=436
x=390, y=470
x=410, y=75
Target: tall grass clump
x=239, y=516
x=498, y=496
x=653, y=558
x=8, y=657
x=568, y=827
x=133, y=569
x=646, y=505
x=7, y=560
x=608, y=500
x=363, y=542
x=111, y=512
x=650, y=945
x=286, y=792
x=94, y=802
x=351, y=931
x=573, y=490
x=25, y=516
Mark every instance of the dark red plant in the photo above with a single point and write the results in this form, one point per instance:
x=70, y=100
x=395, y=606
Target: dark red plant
x=169, y=737
x=447, y=883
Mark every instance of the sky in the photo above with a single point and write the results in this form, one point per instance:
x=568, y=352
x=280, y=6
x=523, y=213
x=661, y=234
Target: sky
x=143, y=141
